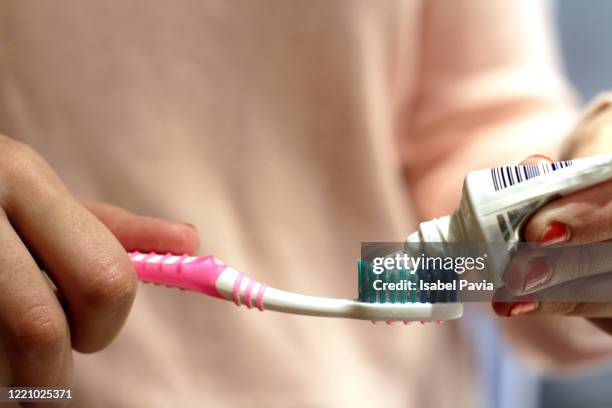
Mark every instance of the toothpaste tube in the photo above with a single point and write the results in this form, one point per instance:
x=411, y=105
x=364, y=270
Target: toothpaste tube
x=497, y=202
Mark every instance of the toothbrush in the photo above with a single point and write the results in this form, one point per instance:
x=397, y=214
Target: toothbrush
x=210, y=276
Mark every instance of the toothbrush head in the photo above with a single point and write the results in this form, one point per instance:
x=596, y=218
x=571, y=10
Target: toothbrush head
x=405, y=287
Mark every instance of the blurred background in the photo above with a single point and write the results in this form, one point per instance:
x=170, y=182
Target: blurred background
x=584, y=33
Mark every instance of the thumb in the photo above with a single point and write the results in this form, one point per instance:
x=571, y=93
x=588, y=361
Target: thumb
x=581, y=217
x=541, y=228
x=146, y=234
x=584, y=216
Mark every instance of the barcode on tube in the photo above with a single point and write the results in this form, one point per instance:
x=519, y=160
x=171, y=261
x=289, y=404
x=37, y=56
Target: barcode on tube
x=504, y=177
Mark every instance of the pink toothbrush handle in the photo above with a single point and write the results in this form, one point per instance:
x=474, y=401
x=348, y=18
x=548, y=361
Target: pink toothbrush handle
x=185, y=272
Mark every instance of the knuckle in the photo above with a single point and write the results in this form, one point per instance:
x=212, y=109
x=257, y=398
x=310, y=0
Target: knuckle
x=605, y=227
x=591, y=309
x=21, y=167
x=21, y=171
x=17, y=158
x=585, y=263
x=560, y=308
x=40, y=331
x=113, y=284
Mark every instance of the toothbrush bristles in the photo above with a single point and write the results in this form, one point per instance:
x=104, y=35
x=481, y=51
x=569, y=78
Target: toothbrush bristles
x=408, y=322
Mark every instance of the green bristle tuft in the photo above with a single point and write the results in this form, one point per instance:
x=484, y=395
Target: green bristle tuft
x=403, y=294
x=367, y=293
x=393, y=294
x=361, y=286
x=414, y=294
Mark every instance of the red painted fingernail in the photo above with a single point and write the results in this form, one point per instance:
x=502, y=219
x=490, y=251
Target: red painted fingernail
x=539, y=273
x=553, y=234
x=521, y=308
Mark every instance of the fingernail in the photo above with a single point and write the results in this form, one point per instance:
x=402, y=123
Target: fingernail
x=190, y=225
x=521, y=308
x=539, y=273
x=541, y=158
x=555, y=233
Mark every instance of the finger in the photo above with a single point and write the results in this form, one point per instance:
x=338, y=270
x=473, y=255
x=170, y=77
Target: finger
x=536, y=159
x=33, y=327
x=146, y=234
x=590, y=289
x=532, y=270
x=593, y=131
x=586, y=297
x=576, y=309
x=584, y=216
x=85, y=261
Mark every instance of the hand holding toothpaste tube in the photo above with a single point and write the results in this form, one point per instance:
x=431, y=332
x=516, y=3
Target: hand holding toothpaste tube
x=574, y=271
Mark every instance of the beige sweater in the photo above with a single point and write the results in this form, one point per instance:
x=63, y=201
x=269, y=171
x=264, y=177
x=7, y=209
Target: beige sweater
x=287, y=132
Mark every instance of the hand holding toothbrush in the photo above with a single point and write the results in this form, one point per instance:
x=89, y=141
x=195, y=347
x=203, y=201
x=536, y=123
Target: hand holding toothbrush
x=82, y=248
